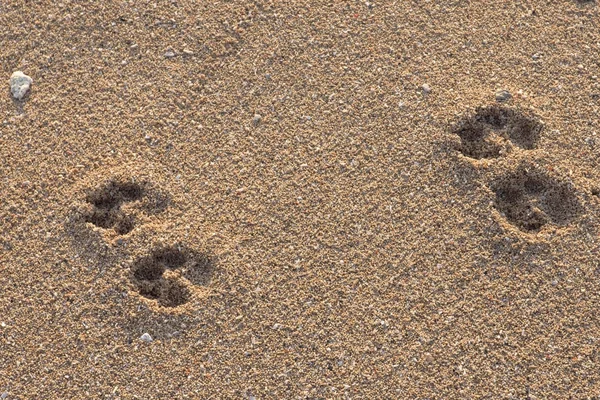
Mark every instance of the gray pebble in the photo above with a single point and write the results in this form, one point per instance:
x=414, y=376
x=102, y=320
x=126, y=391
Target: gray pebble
x=146, y=337
x=503, y=95
x=19, y=84
x=170, y=53
x=256, y=119
x=426, y=88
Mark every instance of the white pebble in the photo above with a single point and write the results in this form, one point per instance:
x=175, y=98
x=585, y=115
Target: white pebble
x=170, y=53
x=19, y=84
x=426, y=88
x=146, y=337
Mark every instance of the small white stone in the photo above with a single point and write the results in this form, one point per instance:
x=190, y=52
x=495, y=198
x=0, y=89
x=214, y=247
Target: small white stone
x=170, y=53
x=426, y=88
x=19, y=84
x=146, y=337
x=188, y=52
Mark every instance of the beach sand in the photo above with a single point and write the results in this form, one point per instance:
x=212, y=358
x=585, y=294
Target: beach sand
x=300, y=200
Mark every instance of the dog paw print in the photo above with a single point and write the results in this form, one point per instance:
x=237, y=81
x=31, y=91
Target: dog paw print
x=493, y=131
x=108, y=203
x=526, y=197
x=169, y=274
x=531, y=199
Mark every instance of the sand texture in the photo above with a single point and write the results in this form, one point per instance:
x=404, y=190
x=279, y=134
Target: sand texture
x=300, y=200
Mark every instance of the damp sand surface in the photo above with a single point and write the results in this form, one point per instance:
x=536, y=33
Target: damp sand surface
x=300, y=200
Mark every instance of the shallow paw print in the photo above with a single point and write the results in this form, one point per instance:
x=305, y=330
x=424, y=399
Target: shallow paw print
x=169, y=275
x=493, y=131
x=531, y=199
x=107, y=203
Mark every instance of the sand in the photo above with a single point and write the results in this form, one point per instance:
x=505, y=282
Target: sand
x=300, y=200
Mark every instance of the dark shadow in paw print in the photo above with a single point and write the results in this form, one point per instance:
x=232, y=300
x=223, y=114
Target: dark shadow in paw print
x=532, y=199
x=167, y=274
x=494, y=130
x=107, y=203
x=108, y=200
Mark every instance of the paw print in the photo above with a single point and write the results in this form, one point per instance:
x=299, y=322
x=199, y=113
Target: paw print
x=494, y=131
x=169, y=274
x=527, y=197
x=133, y=205
x=530, y=199
x=107, y=203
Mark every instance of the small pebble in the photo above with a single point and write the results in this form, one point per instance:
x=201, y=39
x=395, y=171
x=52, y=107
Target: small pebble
x=503, y=95
x=188, y=52
x=428, y=358
x=256, y=119
x=146, y=337
x=426, y=88
x=170, y=53
x=19, y=84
